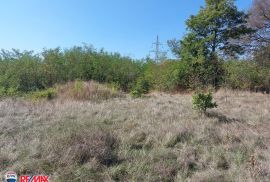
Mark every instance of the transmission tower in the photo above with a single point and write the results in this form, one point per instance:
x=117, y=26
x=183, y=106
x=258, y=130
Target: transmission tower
x=159, y=54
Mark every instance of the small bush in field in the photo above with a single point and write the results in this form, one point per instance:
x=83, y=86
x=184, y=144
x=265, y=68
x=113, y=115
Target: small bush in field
x=203, y=101
x=44, y=94
x=142, y=87
x=2, y=91
x=136, y=93
x=8, y=92
x=12, y=91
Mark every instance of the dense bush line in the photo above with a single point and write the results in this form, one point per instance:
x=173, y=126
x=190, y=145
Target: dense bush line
x=22, y=72
x=247, y=75
x=26, y=71
x=182, y=75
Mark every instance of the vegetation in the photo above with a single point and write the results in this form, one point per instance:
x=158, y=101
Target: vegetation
x=142, y=87
x=208, y=56
x=27, y=72
x=259, y=20
x=83, y=125
x=87, y=91
x=123, y=140
x=48, y=94
x=202, y=101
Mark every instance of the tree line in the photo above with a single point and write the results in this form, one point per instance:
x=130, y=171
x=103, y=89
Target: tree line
x=26, y=71
x=223, y=47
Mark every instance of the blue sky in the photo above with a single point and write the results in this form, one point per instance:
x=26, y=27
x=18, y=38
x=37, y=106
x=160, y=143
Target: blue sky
x=125, y=26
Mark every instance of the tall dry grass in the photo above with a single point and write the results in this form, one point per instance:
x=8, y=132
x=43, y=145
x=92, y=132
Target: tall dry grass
x=156, y=138
x=79, y=90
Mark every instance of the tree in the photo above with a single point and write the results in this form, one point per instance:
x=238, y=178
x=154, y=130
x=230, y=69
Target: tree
x=216, y=25
x=259, y=41
x=259, y=19
x=211, y=33
x=54, y=66
x=213, y=29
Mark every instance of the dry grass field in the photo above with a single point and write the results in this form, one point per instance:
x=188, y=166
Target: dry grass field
x=155, y=138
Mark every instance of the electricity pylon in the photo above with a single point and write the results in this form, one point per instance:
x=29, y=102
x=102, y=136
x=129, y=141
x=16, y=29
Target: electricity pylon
x=159, y=54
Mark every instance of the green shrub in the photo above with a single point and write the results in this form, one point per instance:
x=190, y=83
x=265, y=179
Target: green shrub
x=11, y=91
x=29, y=72
x=2, y=91
x=164, y=76
x=203, y=101
x=8, y=92
x=247, y=75
x=44, y=94
x=136, y=93
x=142, y=87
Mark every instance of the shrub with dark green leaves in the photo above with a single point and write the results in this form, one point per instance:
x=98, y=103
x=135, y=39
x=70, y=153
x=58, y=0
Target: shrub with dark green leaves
x=2, y=91
x=203, y=101
x=165, y=76
x=8, y=92
x=247, y=75
x=136, y=93
x=44, y=94
x=142, y=87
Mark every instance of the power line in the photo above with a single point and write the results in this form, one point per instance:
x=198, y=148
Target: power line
x=159, y=54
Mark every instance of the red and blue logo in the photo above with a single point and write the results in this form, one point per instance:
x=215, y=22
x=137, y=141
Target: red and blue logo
x=11, y=176
x=34, y=178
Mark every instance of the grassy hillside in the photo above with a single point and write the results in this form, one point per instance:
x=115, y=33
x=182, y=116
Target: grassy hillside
x=155, y=138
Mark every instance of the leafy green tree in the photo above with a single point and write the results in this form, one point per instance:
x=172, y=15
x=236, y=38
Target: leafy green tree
x=211, y=33
x=216, y=25
x=21, y=71
x=166, y=76
x=54, y=66
x=141, y=87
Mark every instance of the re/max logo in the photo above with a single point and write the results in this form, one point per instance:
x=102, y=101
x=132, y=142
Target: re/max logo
x=34, y=178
